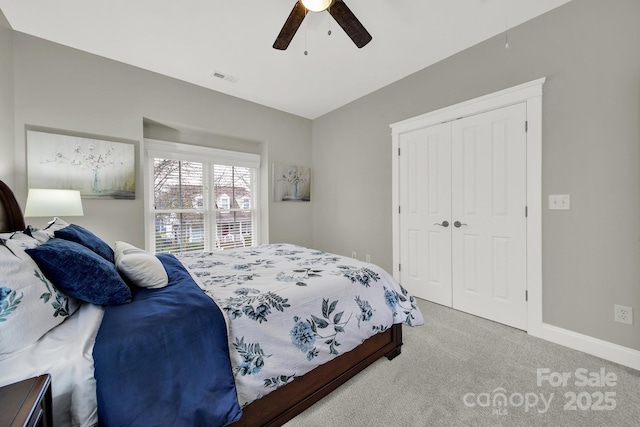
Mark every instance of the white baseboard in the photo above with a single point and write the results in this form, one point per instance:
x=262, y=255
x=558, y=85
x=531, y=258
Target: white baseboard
x=605, y=350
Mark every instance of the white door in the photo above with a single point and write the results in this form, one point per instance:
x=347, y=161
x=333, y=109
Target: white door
x=462, y=222
x=425, y=220
x=488, y=213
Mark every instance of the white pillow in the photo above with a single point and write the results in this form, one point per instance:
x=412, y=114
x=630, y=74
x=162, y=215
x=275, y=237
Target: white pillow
x=139, y=266
x=30, y=305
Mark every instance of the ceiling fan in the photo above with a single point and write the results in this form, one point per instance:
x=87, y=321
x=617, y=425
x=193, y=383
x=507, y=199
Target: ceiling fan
x=337, y=8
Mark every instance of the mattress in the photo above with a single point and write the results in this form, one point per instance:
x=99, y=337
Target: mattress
x=65, y=352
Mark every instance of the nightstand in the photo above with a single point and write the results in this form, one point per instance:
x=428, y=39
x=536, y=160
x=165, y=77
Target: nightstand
x=27, y=403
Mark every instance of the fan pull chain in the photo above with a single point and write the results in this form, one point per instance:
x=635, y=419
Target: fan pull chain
x=329, y=10
x=506, y=24
x=306, y=30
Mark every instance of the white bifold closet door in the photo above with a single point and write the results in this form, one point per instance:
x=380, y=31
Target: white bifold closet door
x=462, y=220
x=425, y=213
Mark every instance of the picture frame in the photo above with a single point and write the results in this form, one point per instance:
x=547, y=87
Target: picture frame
x=98, y=168
x=291, y=183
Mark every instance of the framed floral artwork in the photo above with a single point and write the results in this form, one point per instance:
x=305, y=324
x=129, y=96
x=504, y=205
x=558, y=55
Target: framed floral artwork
x=291, y=183
x=97, y=168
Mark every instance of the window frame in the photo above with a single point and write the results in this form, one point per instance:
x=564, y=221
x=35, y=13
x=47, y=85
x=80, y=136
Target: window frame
x=208, y=156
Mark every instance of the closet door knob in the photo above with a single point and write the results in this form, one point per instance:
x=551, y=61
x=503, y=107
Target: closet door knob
x=444, y=224
x=458, y=224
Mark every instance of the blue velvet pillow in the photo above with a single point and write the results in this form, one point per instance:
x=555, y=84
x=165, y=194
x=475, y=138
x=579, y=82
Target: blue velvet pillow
x=80, y=272
x=81, y=235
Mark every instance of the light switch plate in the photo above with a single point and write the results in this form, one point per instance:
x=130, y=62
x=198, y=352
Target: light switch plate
x=559, y=201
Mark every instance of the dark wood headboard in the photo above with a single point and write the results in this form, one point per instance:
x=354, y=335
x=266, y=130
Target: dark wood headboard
x=11, y=218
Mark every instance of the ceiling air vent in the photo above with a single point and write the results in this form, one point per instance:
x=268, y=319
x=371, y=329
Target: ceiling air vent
x=223, y=76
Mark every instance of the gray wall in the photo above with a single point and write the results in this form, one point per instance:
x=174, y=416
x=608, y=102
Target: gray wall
x=63, y=88
x=588, y=50
x=6, y=101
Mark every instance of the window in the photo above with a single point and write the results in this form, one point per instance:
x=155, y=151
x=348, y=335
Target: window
x=223, y=202
x=234, y=223
x=245, y=202
x=201, y=199
x=179, y=212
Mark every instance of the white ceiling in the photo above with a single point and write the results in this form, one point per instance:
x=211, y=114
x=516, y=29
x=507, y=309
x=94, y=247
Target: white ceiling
x=190, y=39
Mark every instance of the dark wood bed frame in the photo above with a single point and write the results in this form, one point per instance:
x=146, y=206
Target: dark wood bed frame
x=10, y=213
x=283, y=404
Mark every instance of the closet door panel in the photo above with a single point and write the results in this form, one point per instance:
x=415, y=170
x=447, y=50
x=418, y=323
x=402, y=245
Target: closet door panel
x=425, y=213
x=488, y=213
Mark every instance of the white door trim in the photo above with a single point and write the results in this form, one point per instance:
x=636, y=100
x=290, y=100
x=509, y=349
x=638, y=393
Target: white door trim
x=531, y=94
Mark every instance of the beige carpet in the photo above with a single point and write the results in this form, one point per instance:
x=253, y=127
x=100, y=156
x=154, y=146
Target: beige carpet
x=453, y=367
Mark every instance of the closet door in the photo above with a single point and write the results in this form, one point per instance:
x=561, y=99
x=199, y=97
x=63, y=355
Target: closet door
x=425, y=218
x=488, y=214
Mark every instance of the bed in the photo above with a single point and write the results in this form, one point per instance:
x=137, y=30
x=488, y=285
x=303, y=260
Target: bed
x=96, y=341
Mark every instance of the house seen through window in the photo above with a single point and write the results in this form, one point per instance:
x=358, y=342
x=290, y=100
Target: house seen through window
x=202, y=206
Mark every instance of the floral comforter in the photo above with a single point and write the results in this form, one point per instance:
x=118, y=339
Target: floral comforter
x=291, y=309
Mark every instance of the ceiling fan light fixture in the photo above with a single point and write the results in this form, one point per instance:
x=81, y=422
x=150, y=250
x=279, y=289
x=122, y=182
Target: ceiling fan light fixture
x=337, y=9
x=316, y=5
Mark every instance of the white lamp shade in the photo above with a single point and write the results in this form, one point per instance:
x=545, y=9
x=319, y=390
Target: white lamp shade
x=50, y=203
x=316, y=5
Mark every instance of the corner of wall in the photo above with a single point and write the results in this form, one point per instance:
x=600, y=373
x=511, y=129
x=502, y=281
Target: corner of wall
x=7, y=115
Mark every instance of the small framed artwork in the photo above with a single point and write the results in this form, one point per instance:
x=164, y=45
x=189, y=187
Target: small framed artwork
x=97, y=168
x=291, y=183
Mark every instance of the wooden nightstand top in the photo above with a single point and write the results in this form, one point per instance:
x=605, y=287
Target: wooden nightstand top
x=21, y=403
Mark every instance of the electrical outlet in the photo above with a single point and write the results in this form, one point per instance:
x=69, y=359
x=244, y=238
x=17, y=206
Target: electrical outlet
x=367, y=258
x=623, y=314
x=354, y=255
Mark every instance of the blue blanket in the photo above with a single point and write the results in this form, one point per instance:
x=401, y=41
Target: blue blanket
x=163, y=359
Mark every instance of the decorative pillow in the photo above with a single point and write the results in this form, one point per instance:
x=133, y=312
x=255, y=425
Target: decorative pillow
x=80, y=272
x=142, y=268
x=30, y=305
x=40, y=235
x=81, y=235
x=47, y=233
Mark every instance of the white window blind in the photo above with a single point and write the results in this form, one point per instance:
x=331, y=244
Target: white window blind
x=202, y=199
x=234, y=219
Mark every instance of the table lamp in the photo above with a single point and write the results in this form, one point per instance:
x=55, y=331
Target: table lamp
x=45, y=202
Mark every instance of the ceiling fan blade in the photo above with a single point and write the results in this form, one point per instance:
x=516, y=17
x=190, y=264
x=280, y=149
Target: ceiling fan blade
x=349, y=23
x=290, y=26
